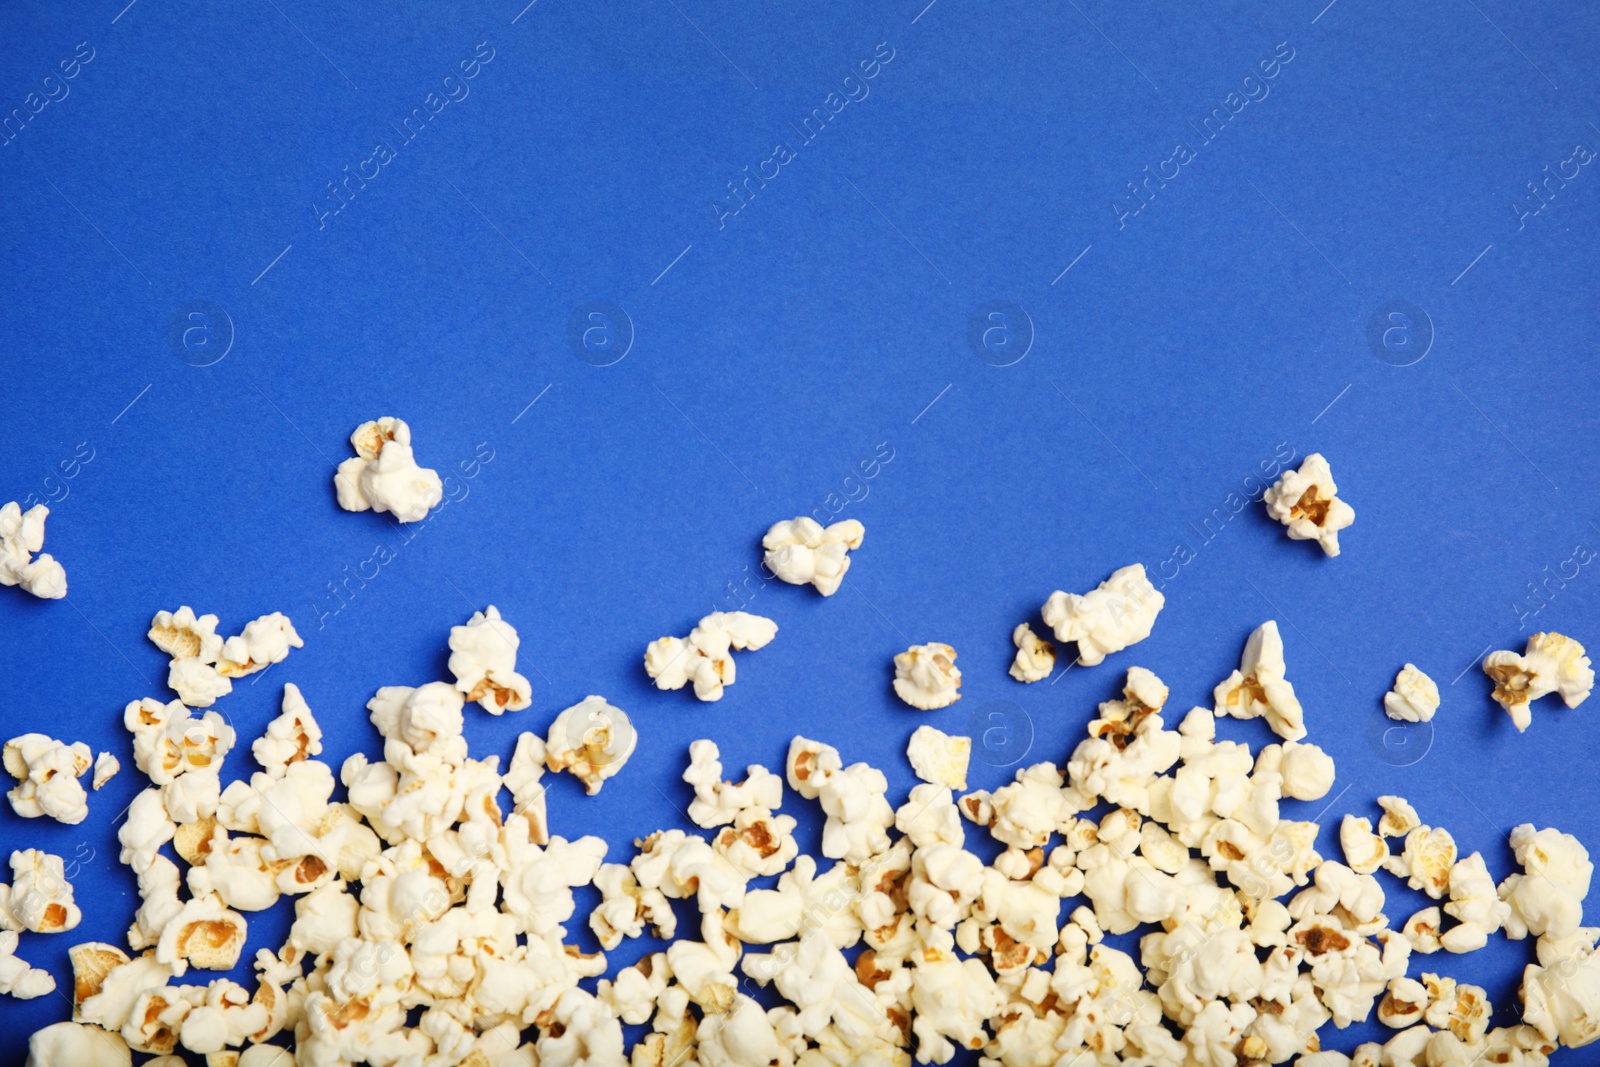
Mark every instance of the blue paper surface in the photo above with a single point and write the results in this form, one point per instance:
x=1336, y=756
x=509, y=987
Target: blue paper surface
x=1032, y=299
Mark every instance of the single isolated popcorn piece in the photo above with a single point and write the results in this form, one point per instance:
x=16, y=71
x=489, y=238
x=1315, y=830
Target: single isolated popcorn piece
x=47, y=773
x=1259, y=688
x=804, y=552
x=483, y=657
x=591, y=739
x=705, y=657
x=1307, y=502
x=21, y=535
x=106, y=767
x=1414, y=697
x=1036, y=657
x=1108, y=619
x=926, y=676
x=938, y=758
x=383, y=474
x=1552, y=663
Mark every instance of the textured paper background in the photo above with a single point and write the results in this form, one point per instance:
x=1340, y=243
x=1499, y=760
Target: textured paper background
x=777, y=348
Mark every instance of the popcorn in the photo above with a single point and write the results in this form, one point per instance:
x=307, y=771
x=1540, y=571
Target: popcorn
x=1364, y=850
x=1422, y=930
x=803, y=552
x=705, y=657
x=483, y=658
x=1561, y=995
x=1119, y=613
x=1259, y=687
x=1426, y=862
x=39, y=898
x=522, y=779
x=1474, y=902
x=383, y=475
x=1414, y=697
x=47, y=773
x=718, y=803
x=265, y=641
x=21, y=535
x=204, y=933
x=1399, y=817
x=926, y=677
x=168, y=741
x=75, y=1045
x=1551, y=664
x=1307, y=502
x=106, y=767
x=1546, y=900
x=938, y=758
x=195, y=647
x=1035, y=658
x=592, y=740
x=293, y=736
x=17, y=978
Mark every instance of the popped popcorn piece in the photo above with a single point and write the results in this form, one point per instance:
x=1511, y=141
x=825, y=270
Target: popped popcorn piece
x=483, y=658
x=169, y=741
x=75, y=1045
x=1474, y=902
x=802, y=551
x=1259, y=687
x=718, y=803
x=926, y=676
x=939, y=758
x=291, y=737
x=17, y=977
x=106, y=767
x=853, y=798
x=1307, y=502
x=1399, y=817
x=1414, y=697
x=265, y=641
x=203, y=933
x=1561, y=993
x=705, y=657
x=1307, y=771
x=383, y=475
x=592, y=739
x=47, y=773
x=1550, y=664
x=1422, y=930
x=195, y=647
x=21, y=535
x=1546, y=900
x=1035, y=658
x=522, y=778
x=1107, y=619
x=1364, y=850
x=1425, y=864
x=39, y=898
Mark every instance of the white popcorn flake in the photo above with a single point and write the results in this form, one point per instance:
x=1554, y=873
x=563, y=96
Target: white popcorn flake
x=706, y=656
x=1429, y=855
x=939, y=758
x=106, y=767
x=21, y=535
x=1307, y=502
x=1035, y=658
x=1561, y=993
x=1551, y=663
x=1364, y=850
x=483, y=658
x=1259, y=688
x=926, y=676
x=265, y=641
x=802, y=551
x=291, y=737
x=592, y=740
x=1414, y=697
x=39, y=898
x=384, y=476
x=1399, y=817
x=1475, y=904
x=1546, y=900
x=47, y=773
x=75, y=1045
x=1119, y=613
x=17, y=977
x=204, y=933
x=717, y=802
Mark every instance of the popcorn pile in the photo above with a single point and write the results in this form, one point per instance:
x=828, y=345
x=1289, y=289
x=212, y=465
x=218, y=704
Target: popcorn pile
x=204, y=665
x=21, y=535
x=431, y=927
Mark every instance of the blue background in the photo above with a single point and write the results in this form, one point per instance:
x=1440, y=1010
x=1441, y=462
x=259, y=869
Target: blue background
x=777, y=348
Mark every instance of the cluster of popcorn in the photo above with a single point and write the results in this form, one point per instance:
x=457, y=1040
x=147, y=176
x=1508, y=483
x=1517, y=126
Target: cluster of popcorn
x=383, y=475
x=204, y=665
x=22, y=535
x=47, y=773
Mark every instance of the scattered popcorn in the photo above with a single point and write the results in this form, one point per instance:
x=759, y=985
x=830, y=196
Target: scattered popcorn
x=1550, y=664
x=483, y=658
x=926, y=676
x=1259, y=687
x=592, y=740
x=47, y=773
x=204, y=933
x=1121, y=612
x=21, y=535
x=803, y=552
x=106, y=767
x=1036, y=657
x=1414, y=697
x=17, y=978
x=938, y=758
x=383, y=474
x=1307, y=502
x=706, y=656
